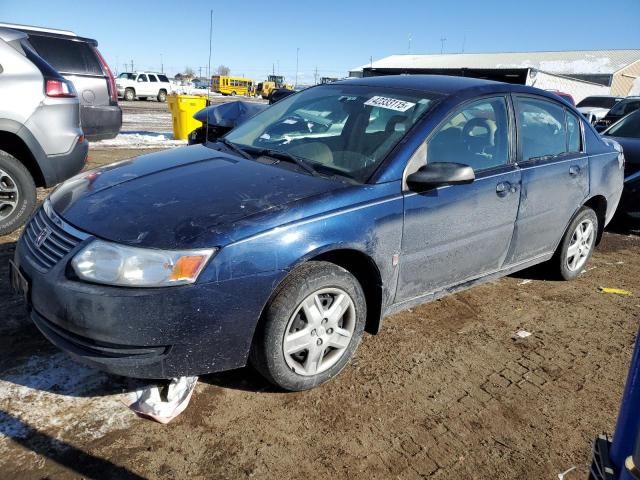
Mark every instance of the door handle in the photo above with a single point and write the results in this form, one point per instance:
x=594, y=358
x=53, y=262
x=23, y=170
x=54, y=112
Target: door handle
x=574, y=170
x=502, y=188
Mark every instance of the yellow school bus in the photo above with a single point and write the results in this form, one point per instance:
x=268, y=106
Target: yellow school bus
x=232, y=85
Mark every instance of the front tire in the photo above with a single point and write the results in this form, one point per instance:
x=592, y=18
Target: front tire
x=129, y=95
x=17, y=193
x=311, y=328
x=577, y=245
x=162, y=96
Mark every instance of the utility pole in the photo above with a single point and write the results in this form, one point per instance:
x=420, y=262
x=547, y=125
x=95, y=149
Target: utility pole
x=273, y=69
x=210, y=37
x=409, y=48
x=297, y=57
x=464, y=41
x=199, y=72
x=161, y=64
x=315, y=76
x=442, y=42
x=132, y=66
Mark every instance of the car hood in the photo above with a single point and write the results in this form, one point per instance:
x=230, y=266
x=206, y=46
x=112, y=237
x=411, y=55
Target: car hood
x=171, y=198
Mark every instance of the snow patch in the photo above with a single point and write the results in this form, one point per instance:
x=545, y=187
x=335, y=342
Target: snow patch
x=60, y=398
x=139, y=140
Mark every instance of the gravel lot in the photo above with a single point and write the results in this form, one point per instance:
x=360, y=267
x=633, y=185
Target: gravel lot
x=442, y=392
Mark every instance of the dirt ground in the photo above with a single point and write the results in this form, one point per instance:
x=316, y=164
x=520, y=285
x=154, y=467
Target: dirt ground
x=442, y=392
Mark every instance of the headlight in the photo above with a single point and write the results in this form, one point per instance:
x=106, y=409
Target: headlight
x=113, y=264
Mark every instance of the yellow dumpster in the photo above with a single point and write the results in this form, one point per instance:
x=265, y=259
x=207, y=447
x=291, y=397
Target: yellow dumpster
x=182, y=109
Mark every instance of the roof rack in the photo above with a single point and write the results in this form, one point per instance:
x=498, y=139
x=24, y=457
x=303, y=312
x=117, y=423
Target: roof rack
x=38, y=29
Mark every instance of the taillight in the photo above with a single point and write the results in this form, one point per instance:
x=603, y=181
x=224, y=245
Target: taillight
x=59, y=88
x=113, y=93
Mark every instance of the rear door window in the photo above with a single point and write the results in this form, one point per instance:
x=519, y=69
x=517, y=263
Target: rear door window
x=541, y=124
x=163, y=78
x=67, y=56
x=152, y=78
x=574, y=134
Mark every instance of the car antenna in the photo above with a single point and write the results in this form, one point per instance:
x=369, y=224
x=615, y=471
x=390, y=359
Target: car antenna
x=206, y=122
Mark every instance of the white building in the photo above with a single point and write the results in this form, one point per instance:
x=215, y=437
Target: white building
x=580, y=73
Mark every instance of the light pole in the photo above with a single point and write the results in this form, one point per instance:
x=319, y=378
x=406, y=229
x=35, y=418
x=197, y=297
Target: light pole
x=297, y=57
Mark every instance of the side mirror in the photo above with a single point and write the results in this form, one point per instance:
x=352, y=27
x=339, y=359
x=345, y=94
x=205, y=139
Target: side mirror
x=434, y=175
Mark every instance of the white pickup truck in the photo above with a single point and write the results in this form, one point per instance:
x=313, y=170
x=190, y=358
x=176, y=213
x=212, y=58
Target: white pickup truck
x=143, y=85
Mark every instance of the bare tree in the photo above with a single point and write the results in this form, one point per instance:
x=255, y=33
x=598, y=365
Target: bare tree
x=224, y=70
x=188, y=73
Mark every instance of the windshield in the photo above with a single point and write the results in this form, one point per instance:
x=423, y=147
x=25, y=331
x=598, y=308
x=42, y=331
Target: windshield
x=628, y=127
x=128, y=76
x=625, y=106
x=598, y=102
x=347, y=129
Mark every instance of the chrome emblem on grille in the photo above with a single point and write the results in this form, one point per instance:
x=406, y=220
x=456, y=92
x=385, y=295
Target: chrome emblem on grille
x=42, y=236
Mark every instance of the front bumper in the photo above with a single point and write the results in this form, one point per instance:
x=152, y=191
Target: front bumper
x=144, y=332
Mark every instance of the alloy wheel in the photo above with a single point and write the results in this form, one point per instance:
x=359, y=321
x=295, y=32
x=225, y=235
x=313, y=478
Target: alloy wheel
x=580, y=245
x=319, y=331
x=9, y=195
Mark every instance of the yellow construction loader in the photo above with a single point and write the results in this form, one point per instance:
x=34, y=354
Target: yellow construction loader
x=273, y=82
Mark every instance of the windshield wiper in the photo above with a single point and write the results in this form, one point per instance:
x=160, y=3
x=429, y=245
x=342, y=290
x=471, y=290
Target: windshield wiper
x=301, y=162
x=235, y=148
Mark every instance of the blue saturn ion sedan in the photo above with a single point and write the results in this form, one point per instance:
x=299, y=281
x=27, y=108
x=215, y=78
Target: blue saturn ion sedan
x=281, y=243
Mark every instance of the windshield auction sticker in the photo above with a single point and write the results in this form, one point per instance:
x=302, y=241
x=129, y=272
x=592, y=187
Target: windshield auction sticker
x=389, y=103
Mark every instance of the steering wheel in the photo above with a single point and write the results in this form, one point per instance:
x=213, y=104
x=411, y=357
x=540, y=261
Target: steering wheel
x=476, y=144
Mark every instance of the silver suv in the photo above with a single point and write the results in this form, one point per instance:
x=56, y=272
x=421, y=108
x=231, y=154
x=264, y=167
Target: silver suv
x=79, y=61
x=41, y=142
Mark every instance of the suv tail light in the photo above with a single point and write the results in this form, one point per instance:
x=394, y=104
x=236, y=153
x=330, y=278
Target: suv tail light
x=111, y=83
x=59, y=88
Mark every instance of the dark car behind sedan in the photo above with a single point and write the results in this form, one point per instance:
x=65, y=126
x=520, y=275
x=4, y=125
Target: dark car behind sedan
x=619, y=110
x=310, y=222
x=627, y=133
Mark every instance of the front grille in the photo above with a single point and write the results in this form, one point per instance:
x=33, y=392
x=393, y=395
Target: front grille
x=47, y=240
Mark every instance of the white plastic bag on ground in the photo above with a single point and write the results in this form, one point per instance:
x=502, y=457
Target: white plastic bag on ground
x=162, y=402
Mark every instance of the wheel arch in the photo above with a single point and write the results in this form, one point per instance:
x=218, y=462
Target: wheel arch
x=598, y=203
x=15, y=146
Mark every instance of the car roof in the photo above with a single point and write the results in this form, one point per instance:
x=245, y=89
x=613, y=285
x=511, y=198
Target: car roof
x=9, y=34
x=445, y=84
x=50, y=32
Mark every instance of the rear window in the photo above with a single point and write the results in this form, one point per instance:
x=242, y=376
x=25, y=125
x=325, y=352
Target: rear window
x=67, y=56
x=163, y=78
x=598, y=102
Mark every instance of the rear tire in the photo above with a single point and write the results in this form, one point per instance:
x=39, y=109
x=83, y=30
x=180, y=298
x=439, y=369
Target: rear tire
x=162, y=96
x=577, y=245
x=311, y=327
x=17, y=193
x=129, y=95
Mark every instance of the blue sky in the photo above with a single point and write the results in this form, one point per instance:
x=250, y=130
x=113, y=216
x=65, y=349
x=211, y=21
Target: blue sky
x=331, y=35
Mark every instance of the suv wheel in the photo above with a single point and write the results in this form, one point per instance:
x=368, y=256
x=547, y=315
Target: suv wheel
x=577, y=244
x=17, y=194
x=162, y=96
x=129, y=95
x=311, y=328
